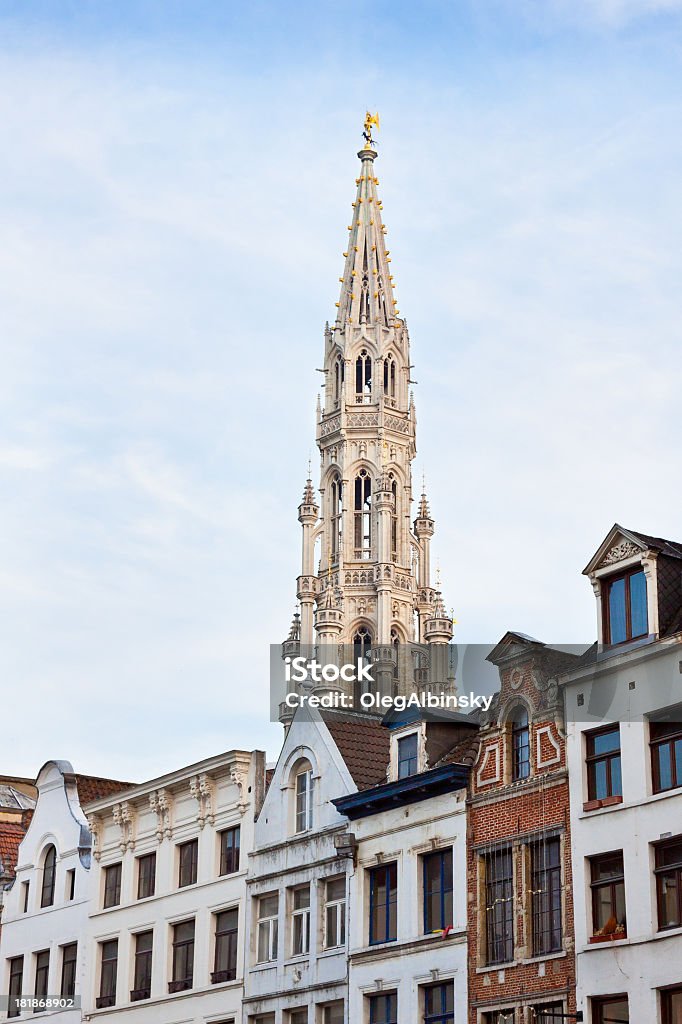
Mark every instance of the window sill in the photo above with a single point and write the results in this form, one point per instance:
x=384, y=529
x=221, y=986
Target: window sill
x=597, y=939
x=607, y=801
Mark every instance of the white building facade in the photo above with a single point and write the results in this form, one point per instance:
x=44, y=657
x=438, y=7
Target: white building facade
x=624, y=753
x=165, y=932
x=408, y=890
x=298, y=882
x=42, y=949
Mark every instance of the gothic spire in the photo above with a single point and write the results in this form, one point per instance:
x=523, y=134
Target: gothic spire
x=367, y=284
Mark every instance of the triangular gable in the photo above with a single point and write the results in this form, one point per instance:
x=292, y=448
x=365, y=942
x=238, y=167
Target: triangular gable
x=618, y=545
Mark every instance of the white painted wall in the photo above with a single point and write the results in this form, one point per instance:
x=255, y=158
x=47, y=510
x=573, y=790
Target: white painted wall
x=647, y=959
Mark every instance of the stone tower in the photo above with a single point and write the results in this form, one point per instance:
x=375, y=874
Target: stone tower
x=366, y=569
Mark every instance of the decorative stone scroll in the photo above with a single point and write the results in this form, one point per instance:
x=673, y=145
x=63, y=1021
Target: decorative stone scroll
x=161, y=802
x=125, y=816
x=95, y=826
x=202, y=789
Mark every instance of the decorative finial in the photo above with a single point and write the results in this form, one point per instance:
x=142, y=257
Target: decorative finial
x=438, y=577
x=370, y=119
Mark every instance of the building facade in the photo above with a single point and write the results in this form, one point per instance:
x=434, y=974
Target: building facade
x=624, y=757
x=298, y=880
x=42, y=952
x=520, y=886
x=407, y=955
x=165, y=928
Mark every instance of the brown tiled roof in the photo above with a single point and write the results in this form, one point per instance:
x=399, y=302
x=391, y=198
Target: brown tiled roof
x=465, y=751
x=666, y=547
x=90, y=787
x=363, y=743
x=11, y=834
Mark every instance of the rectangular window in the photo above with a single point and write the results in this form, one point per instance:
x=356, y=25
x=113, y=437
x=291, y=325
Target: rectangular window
x=298, y=1016
x=69, y=957
x=383, y=1009
x=42, y=973
x=549, y=1013
x=335, y=912
x=225, y=959
x=183, y=957
x=268, y=909
x=142, y=976
x=499, y=906
x=437, y=891
x=107, y=974
x=16, y=972
x=624, y=607
x=333, y=1013
x=383, y=903
x=668, y=872
x=610, y=1010
x=546, y=896
x=304, y=800
x=300, y=923
x=229, y=850
x=188, y=856
x=666, y=755
x=71, y=884
x=671, y=1005
x=608, y=896
x=146, y=876
x=439, y=1003
x=407, y=755
x=603, y=763
x=500, y=1016
x=112, y=885
x=25, y=891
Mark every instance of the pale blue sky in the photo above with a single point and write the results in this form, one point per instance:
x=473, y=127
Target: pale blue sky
x=174, y=191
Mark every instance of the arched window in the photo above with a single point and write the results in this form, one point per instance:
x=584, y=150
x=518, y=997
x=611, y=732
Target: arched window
x=363, y=378
x=394, y=523
x=303, y=790
x=362, y=652
x=336, y=516
x=49, y=877
x=520, y=744
x=338, y=380
x=363, y=515
x=395, y=644
x=389, y=377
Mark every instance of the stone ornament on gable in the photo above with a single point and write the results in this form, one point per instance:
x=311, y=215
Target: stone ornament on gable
x=202, y=789
x=161, y=802
x=238, y=777
x=619, y=552
x=95, y=826
x=125, y=816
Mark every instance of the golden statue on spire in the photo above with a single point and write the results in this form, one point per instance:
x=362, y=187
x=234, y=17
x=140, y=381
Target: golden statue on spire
x=370, y=119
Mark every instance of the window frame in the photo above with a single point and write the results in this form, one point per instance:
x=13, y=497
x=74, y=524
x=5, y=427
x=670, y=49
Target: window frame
x=191, y=847
x=613, y=883
x=303, y=800
x=41, y=973
x=390, y=871
x=592, y=759
x=519, y=733
x=499, y=890
x=300, y=922
x=182, y=957
x=146, y=876
x=142, y=966
x=558, y=1011
x=234, y=850
x=543, y=909
x=666, y=1002
x=111, y=896
x=67, y=982
x=442, y=1015
x=670, y=740
x=606, y=584
x=337, y=907
x=15, y=991
x=445, y=858
x=108, y=974
x=49, y=877
x=600, y=1003
x=668, y=869
x=269, y=925
x=229, y=939
x=390, y=1010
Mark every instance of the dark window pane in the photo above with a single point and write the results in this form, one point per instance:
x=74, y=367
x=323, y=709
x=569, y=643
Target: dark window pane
x=638, y=611
x=383, y=1009
x=407, y=756
x=42, y=971
x=229, y=850
x=112, y=885
x=68, y=983
x=49, y=874
x=383, y=898
x=617, y=615
x=188, y=856
x=499, y=906
x=146, y=876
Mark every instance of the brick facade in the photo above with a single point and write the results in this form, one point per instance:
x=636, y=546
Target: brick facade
x=515, y=828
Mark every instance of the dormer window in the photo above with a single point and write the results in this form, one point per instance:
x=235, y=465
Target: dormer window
x=520, y=745
x=304, y=798
x=624, y=607
x=408, y=748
